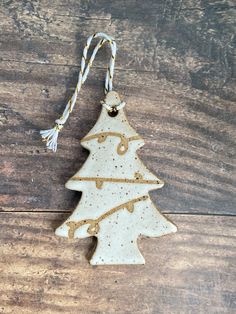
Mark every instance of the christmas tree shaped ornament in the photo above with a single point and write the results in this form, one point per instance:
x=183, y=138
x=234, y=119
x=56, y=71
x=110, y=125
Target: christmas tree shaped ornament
x=115, y=206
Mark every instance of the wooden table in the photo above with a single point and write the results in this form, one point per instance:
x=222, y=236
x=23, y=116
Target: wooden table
x=175, y=71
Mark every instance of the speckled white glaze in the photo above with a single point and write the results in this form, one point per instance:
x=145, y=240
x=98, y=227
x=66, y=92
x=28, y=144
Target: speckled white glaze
x=118, y=231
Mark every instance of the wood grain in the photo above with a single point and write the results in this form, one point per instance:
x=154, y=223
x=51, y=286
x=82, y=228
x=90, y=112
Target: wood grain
x=192, y=271
x=190, y=149
x=176, y=71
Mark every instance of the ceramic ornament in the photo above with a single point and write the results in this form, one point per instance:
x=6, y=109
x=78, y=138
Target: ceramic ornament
x=115, y=206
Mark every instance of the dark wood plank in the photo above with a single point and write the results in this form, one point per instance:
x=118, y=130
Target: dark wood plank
x=192, y=271
x=190, y=41
x=189, y=134
x=175, y=70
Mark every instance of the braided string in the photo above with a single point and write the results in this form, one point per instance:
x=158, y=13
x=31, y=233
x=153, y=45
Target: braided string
x=50, y=136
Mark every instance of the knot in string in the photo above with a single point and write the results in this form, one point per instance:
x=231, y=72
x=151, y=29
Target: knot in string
x=111, y=108
x=50, y=136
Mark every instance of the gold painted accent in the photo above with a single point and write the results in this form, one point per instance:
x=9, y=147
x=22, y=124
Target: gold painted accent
x=99, y=181
x=122, y=146
x=102, y=42
x=109, y=70
x=130, y=207
x=70, y=106
x=94, y=227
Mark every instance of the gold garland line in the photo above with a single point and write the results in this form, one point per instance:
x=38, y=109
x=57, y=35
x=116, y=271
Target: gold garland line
x=122, y=146
x=93, y=229
x=99, y=181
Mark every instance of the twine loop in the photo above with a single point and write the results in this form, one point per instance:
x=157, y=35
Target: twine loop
x=50, y=136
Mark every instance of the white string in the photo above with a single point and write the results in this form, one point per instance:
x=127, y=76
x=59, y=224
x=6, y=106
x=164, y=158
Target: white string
x=50, y=136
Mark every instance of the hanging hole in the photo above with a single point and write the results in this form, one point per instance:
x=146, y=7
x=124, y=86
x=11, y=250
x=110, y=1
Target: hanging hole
x=113, y=113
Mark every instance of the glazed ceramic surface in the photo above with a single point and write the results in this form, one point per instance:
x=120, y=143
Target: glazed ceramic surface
x=115, y=205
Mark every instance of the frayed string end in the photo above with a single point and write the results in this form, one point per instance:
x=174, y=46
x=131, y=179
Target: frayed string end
x=50, y=137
